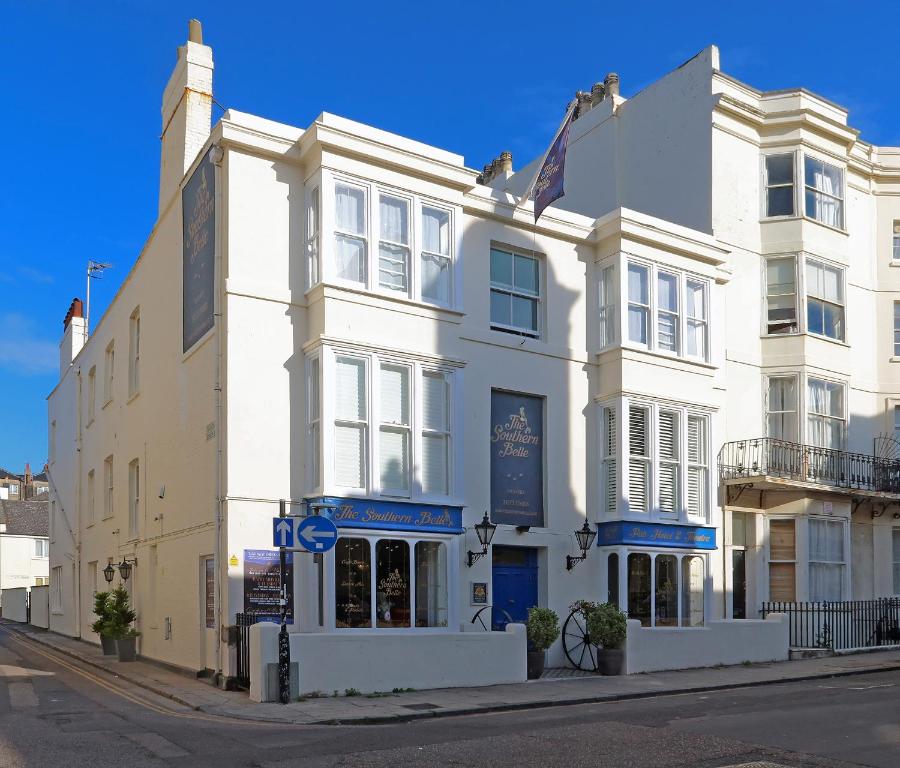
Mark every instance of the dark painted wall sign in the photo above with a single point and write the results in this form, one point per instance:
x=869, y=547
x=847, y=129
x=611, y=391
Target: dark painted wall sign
x=262, y=585
x=517, y=459
x=198, y=210
x=655, y=535
x=393, y=515
x=479, y=593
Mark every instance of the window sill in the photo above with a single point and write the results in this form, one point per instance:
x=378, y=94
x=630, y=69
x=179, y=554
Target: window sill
x=665, y=356
x=804, y=217
x=894, y=359
x=839, y=230
x=839, y=342
x=334, y=289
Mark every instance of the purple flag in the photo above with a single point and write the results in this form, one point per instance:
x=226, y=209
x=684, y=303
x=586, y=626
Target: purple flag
x=549, y=184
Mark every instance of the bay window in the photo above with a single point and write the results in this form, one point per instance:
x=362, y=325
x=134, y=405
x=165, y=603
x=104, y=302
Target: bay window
x=390, y=583
x=781, y=295
x=780, y=185
x=824, y=299
x=350, y=232
x=826, y=559
x=389, y=425
x=824, y=192
x=665, y=589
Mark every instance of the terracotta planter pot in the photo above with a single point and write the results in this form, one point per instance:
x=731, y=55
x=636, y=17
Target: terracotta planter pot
x=108, y=644
x=535, y=664
x=611, y=661
x=126, y=646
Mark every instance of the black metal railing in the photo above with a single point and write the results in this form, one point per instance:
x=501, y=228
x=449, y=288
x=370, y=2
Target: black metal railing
x=243, y=622
x=841, y=625
x=809, y=464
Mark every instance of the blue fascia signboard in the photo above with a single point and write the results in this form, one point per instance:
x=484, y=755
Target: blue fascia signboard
x=392, y=515
x=655, y=535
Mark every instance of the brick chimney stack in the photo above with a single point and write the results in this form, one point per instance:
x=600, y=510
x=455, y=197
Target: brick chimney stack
x=74, y=335
x=186, y=112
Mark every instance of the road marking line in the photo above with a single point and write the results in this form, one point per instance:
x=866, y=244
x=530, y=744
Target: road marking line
x=158, y=745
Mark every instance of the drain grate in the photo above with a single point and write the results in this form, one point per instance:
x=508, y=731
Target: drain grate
x=421, y=707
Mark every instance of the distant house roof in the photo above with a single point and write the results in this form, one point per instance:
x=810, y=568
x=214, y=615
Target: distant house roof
x=5, y=474
x=25, y=518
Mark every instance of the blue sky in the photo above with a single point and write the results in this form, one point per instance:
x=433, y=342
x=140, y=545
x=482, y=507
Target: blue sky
x=81, y=85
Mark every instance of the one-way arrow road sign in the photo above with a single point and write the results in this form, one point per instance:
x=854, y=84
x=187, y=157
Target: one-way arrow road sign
x=316, y=534
x=283, y=531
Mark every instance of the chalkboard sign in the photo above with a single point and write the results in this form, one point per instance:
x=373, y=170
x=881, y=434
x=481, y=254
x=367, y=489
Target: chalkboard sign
x=198, y=210
x=262, y=585
x=517, y=459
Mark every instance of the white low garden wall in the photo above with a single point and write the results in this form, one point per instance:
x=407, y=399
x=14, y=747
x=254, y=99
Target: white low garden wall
x=369, y=662
x=14, y=603
x=719, y=642
x=40, y=607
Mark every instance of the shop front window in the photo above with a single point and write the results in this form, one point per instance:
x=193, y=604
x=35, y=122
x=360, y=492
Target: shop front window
x=352, y=583
x=666, y=591
x=639, y=588
x=691, y=592
x=392, y=583
x=431, y=584
x=612, y=579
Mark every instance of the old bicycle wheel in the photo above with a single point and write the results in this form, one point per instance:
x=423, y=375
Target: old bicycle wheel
x=580, y=651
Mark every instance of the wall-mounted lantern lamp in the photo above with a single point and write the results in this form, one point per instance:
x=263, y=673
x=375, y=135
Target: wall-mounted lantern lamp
x=125, y=567
x=109, y=573
x=585, y=537
x=485, y=531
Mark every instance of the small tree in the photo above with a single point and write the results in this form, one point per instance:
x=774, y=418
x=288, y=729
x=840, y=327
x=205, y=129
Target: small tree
x=101, y=611
x=607, y=626
x=121, y=615
x=543, y=628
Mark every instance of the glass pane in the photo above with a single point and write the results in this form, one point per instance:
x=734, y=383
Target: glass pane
x=666, y=591
x=501, y=268
x=436, y=230
x=780, y=201
x=350, y=209
x=815, y=316
x=780, y=169
x=392, y=583
x=392, y=266
x=525, y=274
x=434, y=464
x=783, y=426
x=782, y=394
x=501, y=308
x=815, y=282
x=431, y=584
x=435, y=278
x=696, y=339
x=350, y=258
x=349, y=456
x=350, y=380
x=667, y=285
x=739, y=584
x=525, y=312
x=835, y=399
x=393, y=215
x=639, y=588
x=692, y=592
x=394, y=394
x=833, y=321
x=782, y=314
x=667, y=332
x=832, y=284
x=612, y=579
x=780, y=276
x=695, y=300
x=394, y=457
x=638, y=284
x=434, y=401
x=352, y=583
x=739, y=529
x=637, y=324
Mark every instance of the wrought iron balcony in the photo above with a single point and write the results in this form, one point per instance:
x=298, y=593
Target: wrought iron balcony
x=770, y=462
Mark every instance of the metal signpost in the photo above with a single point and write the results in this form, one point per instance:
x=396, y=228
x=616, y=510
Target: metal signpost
x=314, y=534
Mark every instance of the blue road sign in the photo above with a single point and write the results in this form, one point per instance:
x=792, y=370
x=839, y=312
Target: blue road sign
x=316, y=534
x=283, y=531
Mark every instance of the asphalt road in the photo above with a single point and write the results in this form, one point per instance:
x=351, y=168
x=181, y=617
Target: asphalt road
x=52, y=713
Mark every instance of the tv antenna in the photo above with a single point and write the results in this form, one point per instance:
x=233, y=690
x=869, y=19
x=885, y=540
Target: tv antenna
x=95, y=271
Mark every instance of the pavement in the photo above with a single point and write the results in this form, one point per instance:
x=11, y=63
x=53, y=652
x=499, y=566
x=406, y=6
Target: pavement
x=557, y=688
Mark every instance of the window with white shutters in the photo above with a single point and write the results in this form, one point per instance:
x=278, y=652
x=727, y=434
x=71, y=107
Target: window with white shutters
x=393, y=243
x=698, y=466
x=669, y=464
x=435, y=433
x=314, y=417
x=639, y=459
x=394, y=430
x=610, y=498
x=351, y=422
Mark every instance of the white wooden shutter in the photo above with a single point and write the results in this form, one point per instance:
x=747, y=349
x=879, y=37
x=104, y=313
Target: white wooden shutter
x=696, y=466
x=435, y=433
x=638, y=464
x=394, y=435
x=609, y=460
x=350, y=427
x=668, y=462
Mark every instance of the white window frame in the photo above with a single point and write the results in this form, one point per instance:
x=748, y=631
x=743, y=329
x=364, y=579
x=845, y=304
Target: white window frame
x=809, y=261
x=378, y=241
x=844, y=418
x=92, y=395
x=361, y=236
x=695, y=321
x=897, y=329
x=653, y=311
x=843, y=564
x=610, y=450
x=418, y=368
x=445, y=434
x=134, y=353
x=91, y=496
x=109, y=372
x=327, y=185
x=799, y=316
x=895, y=241
x=373, y=537
x=608, y=294
x=109, y=487
x=765, y=186
x=535, y=333
x=56, y=590
x=42, y=548
x=399, y=428
x=314, y=422
x=767, y=410
x=364, y=425
x=840, y=198
x=313, y=225
x=134, y=498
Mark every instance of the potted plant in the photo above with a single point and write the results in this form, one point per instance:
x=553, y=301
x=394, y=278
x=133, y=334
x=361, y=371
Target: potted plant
x=101, y=625
x=121, y=616
x=543, y=629
x=607, y=627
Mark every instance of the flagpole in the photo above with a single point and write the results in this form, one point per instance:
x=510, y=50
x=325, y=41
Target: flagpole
x=530, y=188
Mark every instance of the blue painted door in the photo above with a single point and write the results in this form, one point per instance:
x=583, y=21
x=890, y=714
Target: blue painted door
x=515, y=584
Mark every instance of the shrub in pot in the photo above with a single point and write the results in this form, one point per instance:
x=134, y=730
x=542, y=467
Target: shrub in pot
x=102, y=626
x=121, y=616
x=607, y=627
x=543, y=629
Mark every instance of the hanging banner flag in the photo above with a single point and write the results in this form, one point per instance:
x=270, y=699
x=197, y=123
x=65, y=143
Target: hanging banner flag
x=549, y=183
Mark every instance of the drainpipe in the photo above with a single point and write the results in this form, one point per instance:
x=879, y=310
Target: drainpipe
x=78, y=447
x=217, y=155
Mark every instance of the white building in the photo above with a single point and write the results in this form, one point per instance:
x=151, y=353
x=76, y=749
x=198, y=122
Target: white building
x=24, y=544
x=363, y=319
